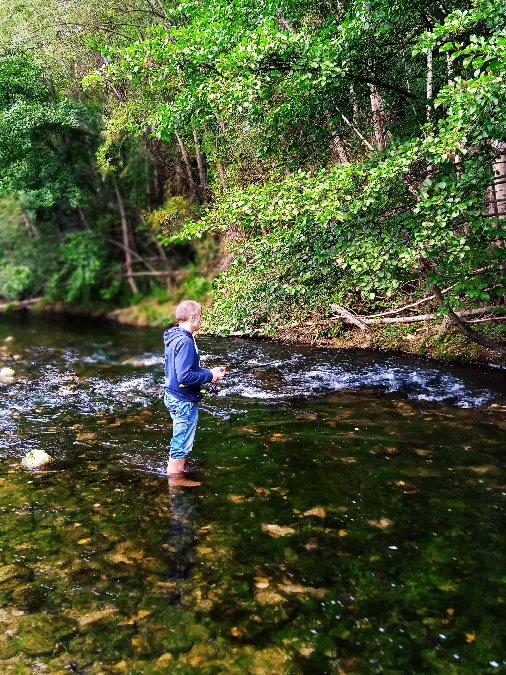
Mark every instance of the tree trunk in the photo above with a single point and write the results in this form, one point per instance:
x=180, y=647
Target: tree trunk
x=82, y=218
x=499, y=185
x=339, y=150
x=178, y=179
x=29, y=224
x=464, y=328
x=356, y=131
x=153, y=239
x=201, y=166
x=356, y=107
x=379, y=119
x=223, y=175
x=430, y=86
x=125, y=231
x=450, y=68
x=50, y=86
x=188, y=167
x=156, y=184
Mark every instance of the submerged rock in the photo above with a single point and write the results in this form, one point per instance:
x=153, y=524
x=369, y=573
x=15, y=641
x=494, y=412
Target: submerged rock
x=12, y=575
x=317, y=511
x=277, y=530
x=41, y=634
x=28, y=596
x=7, y=375
x=8, y=647
x=35, y=459
x=85, y=620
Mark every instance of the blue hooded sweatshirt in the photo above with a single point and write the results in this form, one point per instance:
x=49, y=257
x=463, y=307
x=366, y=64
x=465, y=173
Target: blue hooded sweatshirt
x=182, y=365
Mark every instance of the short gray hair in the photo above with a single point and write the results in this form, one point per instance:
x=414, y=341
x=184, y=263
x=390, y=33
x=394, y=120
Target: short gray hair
x=186, y=309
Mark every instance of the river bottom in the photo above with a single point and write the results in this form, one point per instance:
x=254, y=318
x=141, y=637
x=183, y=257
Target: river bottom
x=359, y=532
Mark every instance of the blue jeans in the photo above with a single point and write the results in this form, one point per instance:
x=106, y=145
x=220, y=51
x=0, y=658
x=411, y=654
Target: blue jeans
x=185, y=415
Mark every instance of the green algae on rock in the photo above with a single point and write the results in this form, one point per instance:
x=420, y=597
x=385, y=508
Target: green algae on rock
x=12, y=575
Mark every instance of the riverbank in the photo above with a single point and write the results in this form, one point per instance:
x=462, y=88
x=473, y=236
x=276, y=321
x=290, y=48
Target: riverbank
x=436, y=340
x=439, y=341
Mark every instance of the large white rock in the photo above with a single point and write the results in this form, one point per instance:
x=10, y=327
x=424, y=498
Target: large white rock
x=35, y=459
x=7, y=375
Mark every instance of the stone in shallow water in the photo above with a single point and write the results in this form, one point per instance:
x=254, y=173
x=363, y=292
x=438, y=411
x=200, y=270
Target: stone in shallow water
x=7, y=375
x=12, y=575
x=8, y=647
x=28, y=596
x=85, y=620
x=317, y=511
x=277, y=530
x=269, y=598
x=35, y=459
x=40, y=634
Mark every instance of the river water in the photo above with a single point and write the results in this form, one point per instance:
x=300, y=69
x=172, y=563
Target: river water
x=350, y=517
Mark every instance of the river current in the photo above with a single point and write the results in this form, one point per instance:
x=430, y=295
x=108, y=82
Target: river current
x=350, y=516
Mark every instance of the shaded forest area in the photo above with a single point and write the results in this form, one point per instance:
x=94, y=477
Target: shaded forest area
x=344, y=161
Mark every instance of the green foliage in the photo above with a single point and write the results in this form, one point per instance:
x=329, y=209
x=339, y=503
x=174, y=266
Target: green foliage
x=25, y=261
x=36, y=133
x=15, y=280
x=312, y=135
x=81, y=269
x=170, y=217
x=368, y=233
x=195, y=285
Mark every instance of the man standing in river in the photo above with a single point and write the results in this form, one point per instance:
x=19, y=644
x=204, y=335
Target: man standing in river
x=183, y=379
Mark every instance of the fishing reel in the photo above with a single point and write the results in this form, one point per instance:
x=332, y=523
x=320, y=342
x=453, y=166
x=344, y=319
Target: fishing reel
x=209, y=389
x=212, y=389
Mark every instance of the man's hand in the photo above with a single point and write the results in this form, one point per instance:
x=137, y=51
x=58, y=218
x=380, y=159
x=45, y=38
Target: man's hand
x=218, y=373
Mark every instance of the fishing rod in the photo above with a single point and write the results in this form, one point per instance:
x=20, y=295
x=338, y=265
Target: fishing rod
x=240, y=371
x=213, y=388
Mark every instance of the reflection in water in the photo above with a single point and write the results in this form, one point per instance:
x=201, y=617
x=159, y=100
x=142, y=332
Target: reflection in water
x=181, y=535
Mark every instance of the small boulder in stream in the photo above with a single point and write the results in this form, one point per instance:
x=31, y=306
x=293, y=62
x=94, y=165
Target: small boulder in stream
x=28, y=597
x=40, y=634
x=7, y=375
x=13, y=575
x=36, y=459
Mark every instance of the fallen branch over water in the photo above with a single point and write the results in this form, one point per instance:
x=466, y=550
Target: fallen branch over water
x=19, y=304
x=428, y=298
x=353, y=319
x=363, y=321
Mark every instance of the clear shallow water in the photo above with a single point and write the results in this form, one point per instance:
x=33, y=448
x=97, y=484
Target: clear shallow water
x=350, y=517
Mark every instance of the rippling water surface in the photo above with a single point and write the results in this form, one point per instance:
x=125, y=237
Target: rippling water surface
x=350, y=516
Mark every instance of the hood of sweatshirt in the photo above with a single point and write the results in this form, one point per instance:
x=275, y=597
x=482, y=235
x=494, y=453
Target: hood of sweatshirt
x=174, y=334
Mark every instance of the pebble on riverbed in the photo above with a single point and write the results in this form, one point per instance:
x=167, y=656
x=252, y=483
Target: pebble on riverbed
x=35, y=459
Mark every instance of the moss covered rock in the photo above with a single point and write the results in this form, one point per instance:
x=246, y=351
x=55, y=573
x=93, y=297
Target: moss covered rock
x=12, y=576
x=40, y=634
x=28, y=597
x=8, y=647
